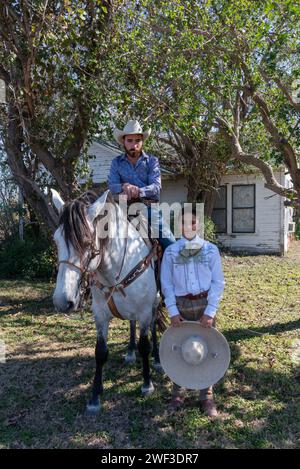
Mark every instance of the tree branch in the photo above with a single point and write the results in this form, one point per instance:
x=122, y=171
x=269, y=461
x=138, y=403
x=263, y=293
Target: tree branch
x=282, y=86
x=279, y=141
x=254, y=160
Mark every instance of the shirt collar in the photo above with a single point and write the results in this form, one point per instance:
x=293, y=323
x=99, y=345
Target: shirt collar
x=196, y=239
x=143, y=156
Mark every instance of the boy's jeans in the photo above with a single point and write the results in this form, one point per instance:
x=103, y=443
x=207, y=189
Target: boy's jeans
x=160, y=229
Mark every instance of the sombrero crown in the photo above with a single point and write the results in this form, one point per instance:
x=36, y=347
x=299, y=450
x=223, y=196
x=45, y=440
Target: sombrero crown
x=193, y=356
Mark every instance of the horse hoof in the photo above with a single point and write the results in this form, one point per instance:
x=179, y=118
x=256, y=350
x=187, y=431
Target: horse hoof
x=93, y=408
x=147, y=390
x=130, y=358
x=157, y=367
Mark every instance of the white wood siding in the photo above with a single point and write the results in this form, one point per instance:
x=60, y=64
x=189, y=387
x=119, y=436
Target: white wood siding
x=271, y=216
x=173, y=190
x=99, y=167
x=268, y=221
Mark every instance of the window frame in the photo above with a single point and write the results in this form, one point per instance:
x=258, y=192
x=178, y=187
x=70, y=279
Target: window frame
x=225, y=208
x=241, y=208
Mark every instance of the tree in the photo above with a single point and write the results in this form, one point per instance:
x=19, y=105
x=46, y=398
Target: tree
x=8, y=200
x=52, y=57
x=202, y=160
x=156, y=83
x=224, y=66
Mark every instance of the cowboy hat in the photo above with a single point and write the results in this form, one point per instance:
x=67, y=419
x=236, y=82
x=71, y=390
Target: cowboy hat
x=193, y=356
x=131, y=128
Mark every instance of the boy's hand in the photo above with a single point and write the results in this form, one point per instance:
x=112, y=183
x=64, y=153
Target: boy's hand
x=206, y=321
x=176, y=320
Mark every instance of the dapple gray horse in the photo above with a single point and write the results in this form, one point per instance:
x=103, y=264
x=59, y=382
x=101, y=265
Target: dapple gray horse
x=84, y=247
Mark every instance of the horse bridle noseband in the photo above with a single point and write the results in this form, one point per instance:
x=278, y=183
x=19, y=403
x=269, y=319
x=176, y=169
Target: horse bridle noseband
x=84, y=280
x=83, y=270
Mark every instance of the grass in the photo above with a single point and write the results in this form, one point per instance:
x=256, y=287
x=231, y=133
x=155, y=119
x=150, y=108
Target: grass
x=47, y=377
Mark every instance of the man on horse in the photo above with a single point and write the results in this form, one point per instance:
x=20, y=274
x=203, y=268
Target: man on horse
x=137, y=175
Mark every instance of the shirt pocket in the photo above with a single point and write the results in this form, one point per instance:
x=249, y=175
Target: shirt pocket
x=179, y=276
x=126, y=176
x=178, y=266
x=142, y=174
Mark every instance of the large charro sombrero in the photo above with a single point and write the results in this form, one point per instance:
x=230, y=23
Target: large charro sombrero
x=193, y=356
x=131, y=128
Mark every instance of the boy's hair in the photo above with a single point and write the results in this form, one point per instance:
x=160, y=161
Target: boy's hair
x=188, y=209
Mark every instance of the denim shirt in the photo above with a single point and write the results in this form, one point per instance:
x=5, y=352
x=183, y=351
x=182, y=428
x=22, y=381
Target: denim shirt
x=145, y=174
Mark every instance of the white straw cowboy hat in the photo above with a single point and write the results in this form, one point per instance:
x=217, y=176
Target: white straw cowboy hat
x=193, y=356
x=131, y=128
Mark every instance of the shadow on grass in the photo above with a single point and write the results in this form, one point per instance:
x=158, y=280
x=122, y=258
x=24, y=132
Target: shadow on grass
x=43, y=405
x=43, y=306
x=234, y=335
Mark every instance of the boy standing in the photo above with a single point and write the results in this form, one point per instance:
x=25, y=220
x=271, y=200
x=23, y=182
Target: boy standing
x=192, y=283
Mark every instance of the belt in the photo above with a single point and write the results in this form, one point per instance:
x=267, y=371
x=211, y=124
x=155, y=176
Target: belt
x=149, y=201
x=143, y=200
x=189, y=296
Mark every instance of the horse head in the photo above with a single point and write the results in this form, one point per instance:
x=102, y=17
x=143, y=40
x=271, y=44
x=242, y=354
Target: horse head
x=79, y=246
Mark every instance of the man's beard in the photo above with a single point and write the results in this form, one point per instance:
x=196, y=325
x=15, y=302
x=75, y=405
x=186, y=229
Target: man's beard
x=133, y=153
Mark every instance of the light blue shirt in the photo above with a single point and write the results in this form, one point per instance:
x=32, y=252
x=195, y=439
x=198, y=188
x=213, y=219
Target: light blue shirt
x=181, y=276
x=145, y=174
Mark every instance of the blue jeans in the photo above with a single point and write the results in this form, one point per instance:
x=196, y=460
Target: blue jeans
x=159, y=227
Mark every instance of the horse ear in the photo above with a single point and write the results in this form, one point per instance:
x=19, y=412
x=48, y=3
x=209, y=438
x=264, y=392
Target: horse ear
x=57, y=200
x=97, y=207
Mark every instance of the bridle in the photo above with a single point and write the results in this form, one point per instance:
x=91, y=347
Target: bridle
x=84, y=282
x=83, y=270
x=86, y=276
x=87, y=279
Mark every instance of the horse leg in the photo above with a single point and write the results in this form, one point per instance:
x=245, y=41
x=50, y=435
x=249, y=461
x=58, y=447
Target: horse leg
x=101, y=354
x=130, y=357
x=144, y=348
x=155, y=353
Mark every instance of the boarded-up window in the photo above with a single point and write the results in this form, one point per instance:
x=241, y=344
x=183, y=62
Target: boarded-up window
x=219, y=213
x=243, y=208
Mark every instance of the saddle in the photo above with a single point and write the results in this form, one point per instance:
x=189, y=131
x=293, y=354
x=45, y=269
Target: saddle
x=143, y=226
x=146, y=232
x=155, y=253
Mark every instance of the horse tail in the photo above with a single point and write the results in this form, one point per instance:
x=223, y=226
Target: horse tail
x=161, y=317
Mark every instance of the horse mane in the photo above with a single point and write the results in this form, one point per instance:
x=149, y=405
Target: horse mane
x=75, y=225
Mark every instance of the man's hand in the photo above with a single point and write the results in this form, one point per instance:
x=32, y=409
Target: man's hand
x=131, y=191
x=206, y=321
x=176, y=320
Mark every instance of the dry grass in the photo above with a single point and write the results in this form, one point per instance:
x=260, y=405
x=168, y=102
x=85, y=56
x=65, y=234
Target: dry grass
x=49, y=368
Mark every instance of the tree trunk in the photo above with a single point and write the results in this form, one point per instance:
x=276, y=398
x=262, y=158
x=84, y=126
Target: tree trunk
x=192, y=190
x=30, y=190
x=209, y=202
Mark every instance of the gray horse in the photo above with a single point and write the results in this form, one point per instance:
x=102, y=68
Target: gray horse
x=95, y=237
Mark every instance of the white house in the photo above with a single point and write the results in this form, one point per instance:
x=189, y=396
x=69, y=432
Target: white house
x=249, y=217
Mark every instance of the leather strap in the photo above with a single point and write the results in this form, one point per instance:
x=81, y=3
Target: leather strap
x=130, y=277
x=189, y=296
x=111, y=304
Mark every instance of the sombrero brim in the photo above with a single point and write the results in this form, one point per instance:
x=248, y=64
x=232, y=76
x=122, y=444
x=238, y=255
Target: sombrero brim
x=201, y=376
